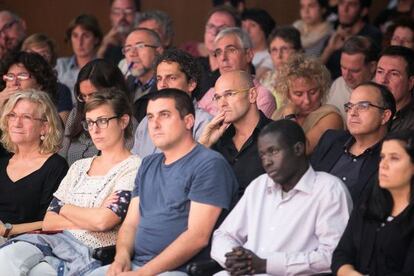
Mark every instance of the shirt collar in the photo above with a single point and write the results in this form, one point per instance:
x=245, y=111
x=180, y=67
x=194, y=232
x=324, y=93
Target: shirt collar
x=351, y=140
x=263, y=121
x=305, y=183
x=403, y=111
x=145, y=86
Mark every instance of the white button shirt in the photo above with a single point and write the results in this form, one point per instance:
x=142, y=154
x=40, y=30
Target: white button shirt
x=297, y=233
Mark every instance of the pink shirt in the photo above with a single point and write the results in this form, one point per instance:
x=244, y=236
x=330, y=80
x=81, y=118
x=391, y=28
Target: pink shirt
x=265, y=101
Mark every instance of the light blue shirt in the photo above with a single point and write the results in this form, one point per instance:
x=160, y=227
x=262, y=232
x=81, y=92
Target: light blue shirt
x=68, y=71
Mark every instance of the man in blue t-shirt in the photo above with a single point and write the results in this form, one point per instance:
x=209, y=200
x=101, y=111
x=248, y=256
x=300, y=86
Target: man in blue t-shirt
x=180, y=195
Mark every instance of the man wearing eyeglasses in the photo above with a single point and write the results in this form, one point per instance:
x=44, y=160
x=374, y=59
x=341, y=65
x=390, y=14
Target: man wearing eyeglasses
x=12, y=32
x=353, y=155
x=233, y=51
x=122, y=16
x=141, y=48
x=234, y=131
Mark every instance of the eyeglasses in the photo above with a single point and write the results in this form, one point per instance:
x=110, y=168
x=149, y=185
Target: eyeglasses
x=228, y=94
x=120, y=12
x=138, y=47
x=282, y=50
x=100, y=123
x=26, y=118
x=8, y=25
x=20, y=76
x=232, y=50
x=83, y=98
x=361, y=106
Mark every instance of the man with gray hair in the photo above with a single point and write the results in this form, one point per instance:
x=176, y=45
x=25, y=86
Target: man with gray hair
x=12, y=32
x=142, y=47
x=358, y=63
x=233, y=51
x=159, y=22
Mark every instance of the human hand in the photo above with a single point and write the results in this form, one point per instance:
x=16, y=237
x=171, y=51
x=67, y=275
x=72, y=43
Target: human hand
x=6, y=93
x=120, y=264
x=242, y=261
x=214, y=130
x=111, y=199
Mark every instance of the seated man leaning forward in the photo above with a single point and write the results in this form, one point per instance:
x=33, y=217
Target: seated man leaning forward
x=178, y=197
x=290, y=219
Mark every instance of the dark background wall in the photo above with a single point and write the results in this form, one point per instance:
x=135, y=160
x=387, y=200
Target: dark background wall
x=53, y=16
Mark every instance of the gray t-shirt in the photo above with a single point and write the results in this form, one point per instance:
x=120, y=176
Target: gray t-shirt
x=166, y=191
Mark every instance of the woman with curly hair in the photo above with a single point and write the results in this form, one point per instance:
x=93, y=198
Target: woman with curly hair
x=24, y=70
x=304, y=83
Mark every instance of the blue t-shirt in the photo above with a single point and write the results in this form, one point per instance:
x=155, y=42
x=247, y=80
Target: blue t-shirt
x=165, y=193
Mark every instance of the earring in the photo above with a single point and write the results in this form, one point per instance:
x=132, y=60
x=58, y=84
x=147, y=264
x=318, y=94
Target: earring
x=42, y=137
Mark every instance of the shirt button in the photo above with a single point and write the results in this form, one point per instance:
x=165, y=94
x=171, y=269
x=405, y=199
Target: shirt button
x=344, y=178
x=354, y=160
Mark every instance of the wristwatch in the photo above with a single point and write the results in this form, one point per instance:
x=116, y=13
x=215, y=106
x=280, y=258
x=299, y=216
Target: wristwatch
x=8, y=227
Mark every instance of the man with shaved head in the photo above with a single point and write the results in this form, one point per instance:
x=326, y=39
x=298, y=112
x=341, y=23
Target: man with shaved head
x=234, y=130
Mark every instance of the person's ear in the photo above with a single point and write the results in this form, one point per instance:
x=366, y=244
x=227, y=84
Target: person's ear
x=249, y=55
x=299, y=149
x=124, y=121
x=189, y=121
x=192, y=84
x=386, y=117
x=252, y=95
x=372, y=68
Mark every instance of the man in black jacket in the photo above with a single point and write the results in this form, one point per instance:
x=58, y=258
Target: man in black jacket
x=353, y=155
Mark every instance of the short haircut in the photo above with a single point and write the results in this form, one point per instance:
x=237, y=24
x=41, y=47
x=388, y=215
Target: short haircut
x=403, y=52
x=362, y=45
x=162, y=18
x=289, y=131
x=101, y=74
x=242, y=36
x=45, y=110
x=302, y=66
x=262, y=18
x=288, y=34
x=38, y=68
x=136, y=4
x=230, y=11
x=402, y=22
x=183, y=102
x=365, y=3
x=187, y=64
x=41, y=40
x=87, y=22
x=117, y=100
x=386, y=97
x=153, y=34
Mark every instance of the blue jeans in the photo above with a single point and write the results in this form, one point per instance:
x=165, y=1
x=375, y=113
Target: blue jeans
x=102, y=271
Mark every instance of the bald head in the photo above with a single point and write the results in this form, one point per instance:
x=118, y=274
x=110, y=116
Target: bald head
x=235, y=79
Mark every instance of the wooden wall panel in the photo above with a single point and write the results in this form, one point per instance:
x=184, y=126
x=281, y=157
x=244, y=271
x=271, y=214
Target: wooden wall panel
x=53, y=16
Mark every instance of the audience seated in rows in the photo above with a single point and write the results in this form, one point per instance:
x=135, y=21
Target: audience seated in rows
x=142, y=47
x=93, y=77
x=304, y=82
x=22, y=70
x=44, y=46
x=234, y=130
x=358, y=64
x=174, y=69
x=378, y=239
x=352, y=17
x=90, y=202
x=32, y=133
x=353, y=155
x=233, y=51
x=314, y=29
x=290, y=219
x=122, y=16
x=284, y=42
x=13, y=32
x=259, y=24
x=388, y=16
x=395, y=70
x=179, y=195
x=84, y=36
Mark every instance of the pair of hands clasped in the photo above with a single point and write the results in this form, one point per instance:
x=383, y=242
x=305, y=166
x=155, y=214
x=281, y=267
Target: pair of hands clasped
x=242, y=261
